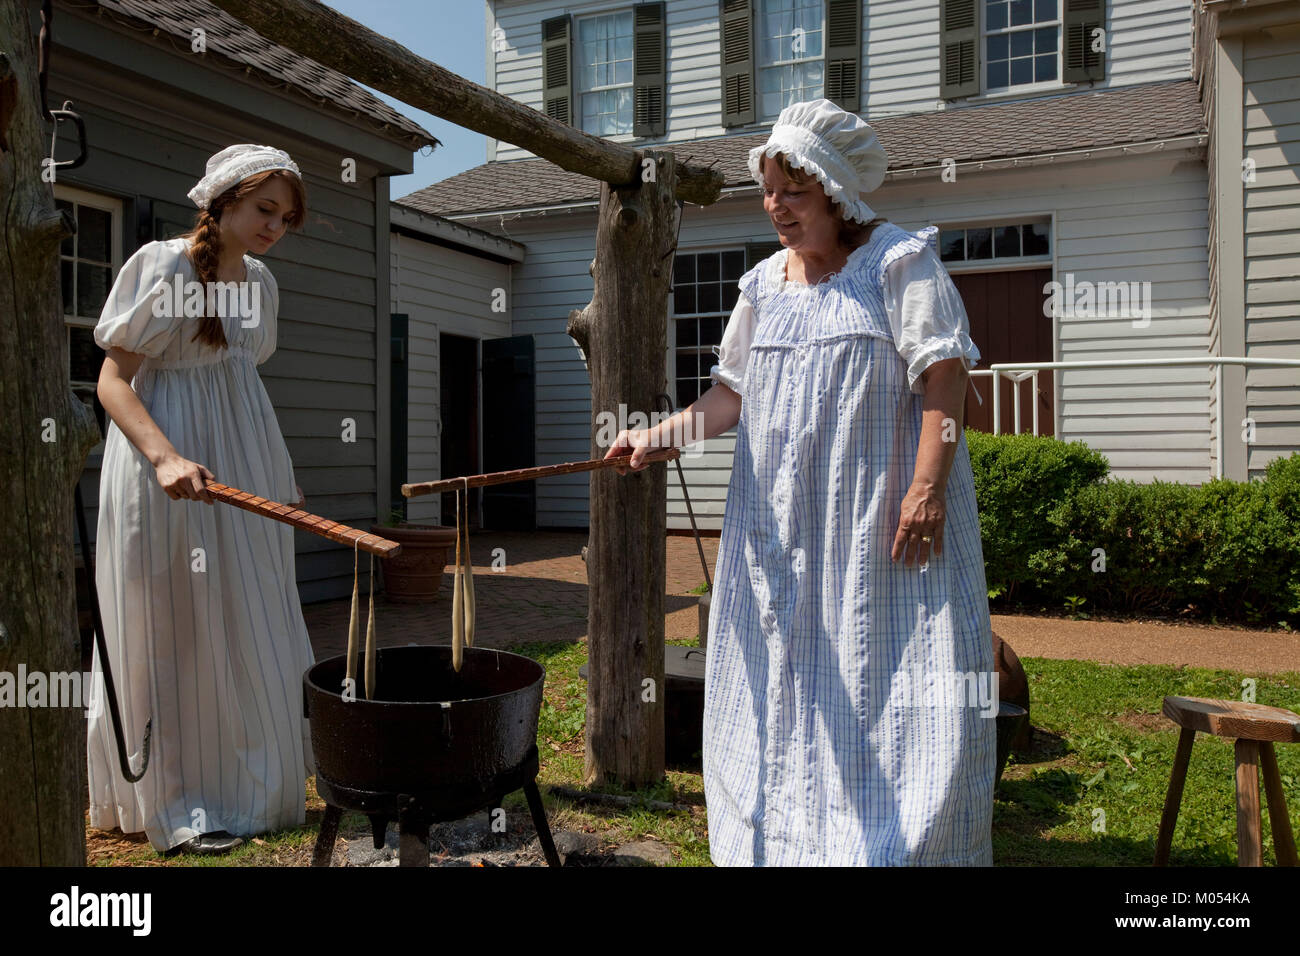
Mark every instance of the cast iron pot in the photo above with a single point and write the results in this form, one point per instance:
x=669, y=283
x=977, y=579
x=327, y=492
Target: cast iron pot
x=429, y=731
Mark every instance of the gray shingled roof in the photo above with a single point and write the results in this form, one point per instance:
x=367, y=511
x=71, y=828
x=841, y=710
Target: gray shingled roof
x=237, y=41
x=1128, y=115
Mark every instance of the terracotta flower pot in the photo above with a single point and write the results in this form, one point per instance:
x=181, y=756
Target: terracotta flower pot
x=415, y=575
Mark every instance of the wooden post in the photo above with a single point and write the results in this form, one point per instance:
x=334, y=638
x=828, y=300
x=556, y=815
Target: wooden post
x=623, y=333
x=46, y=433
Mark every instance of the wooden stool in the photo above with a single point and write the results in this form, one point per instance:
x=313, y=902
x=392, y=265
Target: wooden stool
x=1254, y=728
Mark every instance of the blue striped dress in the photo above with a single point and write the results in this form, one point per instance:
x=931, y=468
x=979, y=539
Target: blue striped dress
x=828, y=738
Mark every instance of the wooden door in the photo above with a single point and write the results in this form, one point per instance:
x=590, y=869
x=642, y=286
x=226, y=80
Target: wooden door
x=1008, y=325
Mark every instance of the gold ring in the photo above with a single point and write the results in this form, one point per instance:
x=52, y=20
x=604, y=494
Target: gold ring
x=926, y=538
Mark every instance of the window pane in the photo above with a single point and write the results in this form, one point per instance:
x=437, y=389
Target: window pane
x=688, y=390
x=733, y=264
x=997, y=74
x=1035, y=236
x=730, y=295
x=1044, y=10
x=686, y=365
x=93, y=283
x=996, y=14
x=1006, y=241
x=710, y=298
x=65, y=281
x=997, y=47
x=94, y=234
x=1022, y=43
x=1022, y=71
x=711, y=333
x=684, y=299
x=688, y=333
x=85, y=356
x=979, y=244
x=68, y=246
x=952, y=244
x=1045, y=40
x=708, y=263
x=684, y=269
x=1022, y=12
x=1045, y=68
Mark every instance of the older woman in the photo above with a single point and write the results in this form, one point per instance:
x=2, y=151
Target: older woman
x=847, y=713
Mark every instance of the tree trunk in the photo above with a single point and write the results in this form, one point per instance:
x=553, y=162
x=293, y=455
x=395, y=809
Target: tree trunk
x=46, y=433
x=623, y=334
x=342, y=44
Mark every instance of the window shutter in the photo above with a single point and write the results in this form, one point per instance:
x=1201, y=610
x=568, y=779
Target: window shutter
x=1080, y=19
x=959, y=49
x=756, y=252
x=844, y=53
x=557, y=72
x=737, y=24
x=649, y=78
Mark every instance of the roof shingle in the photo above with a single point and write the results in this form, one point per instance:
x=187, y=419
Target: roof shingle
x=1114, y=117
x=239, y=42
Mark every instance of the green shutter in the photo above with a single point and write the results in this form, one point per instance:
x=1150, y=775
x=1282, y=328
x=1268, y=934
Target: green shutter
x=649, y=77
x=756, y=252
x=959, y=65
x=844, y=53
x=1080, y=18
x=737, y=24
x=557, y=70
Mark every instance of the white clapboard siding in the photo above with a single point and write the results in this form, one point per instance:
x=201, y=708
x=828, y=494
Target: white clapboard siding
x=1135, y=219
x=1147, y=41
x=441, y=290
x=1271, y=127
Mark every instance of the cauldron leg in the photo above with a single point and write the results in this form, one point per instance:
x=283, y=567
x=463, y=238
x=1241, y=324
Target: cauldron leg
x=539, y=821
x=413, y=833
x=379, y=829
x=329, y=830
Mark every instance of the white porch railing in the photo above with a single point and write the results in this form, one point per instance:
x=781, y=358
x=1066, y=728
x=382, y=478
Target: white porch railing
x=1018, y=372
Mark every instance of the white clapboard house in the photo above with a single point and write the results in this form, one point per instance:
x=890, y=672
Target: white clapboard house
x=1141, y=153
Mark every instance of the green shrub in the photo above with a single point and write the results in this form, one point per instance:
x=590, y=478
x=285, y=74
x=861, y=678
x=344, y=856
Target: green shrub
x=1018, y=480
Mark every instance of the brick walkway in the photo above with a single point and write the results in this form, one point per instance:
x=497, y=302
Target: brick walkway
x=541, y=595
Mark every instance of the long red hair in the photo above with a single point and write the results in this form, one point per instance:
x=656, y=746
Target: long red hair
x=205, y=248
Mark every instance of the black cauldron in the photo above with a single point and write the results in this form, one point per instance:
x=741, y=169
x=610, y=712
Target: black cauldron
x=433, y=745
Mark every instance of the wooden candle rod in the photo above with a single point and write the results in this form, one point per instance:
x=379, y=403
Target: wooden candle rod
x=531, y=474
x=305, y=520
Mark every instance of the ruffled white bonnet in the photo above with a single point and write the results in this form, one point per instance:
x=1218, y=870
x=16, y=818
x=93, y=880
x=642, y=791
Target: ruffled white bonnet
x=836, y=146
x=233, y=165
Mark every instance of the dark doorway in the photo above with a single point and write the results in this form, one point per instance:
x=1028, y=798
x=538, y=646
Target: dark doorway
x=508, y=423
x=458, y=406
x=1008, y=325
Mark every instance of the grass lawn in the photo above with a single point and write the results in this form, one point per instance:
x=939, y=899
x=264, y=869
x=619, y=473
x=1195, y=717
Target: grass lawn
x=1089, y=793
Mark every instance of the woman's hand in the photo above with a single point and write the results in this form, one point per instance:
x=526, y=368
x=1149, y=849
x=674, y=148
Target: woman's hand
x=635, y=442
x=920, y=516
x=182, y=478
x=301, y=500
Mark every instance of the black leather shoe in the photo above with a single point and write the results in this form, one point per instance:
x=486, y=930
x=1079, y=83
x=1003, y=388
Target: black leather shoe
x=211, y=844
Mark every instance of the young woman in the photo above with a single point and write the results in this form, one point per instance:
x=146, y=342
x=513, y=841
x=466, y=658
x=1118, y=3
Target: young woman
x=850, y=608
x=200, y=604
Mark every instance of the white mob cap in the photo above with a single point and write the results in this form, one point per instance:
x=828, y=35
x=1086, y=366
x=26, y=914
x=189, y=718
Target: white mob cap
x=836, y=146
x=236, y=163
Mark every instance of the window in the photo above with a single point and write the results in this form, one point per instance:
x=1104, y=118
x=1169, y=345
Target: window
x=790, y=53
x=1027, y=240
x=88, y=261
x=1021, y=43
x=705, y=290
x=605, y=73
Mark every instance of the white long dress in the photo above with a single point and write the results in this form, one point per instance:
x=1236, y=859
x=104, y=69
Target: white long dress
x=200, y=604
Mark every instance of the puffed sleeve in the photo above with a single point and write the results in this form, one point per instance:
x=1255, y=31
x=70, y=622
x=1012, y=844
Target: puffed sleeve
x=271, y=303
x=926, y=314
x=142, y=289
x=733, y=353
